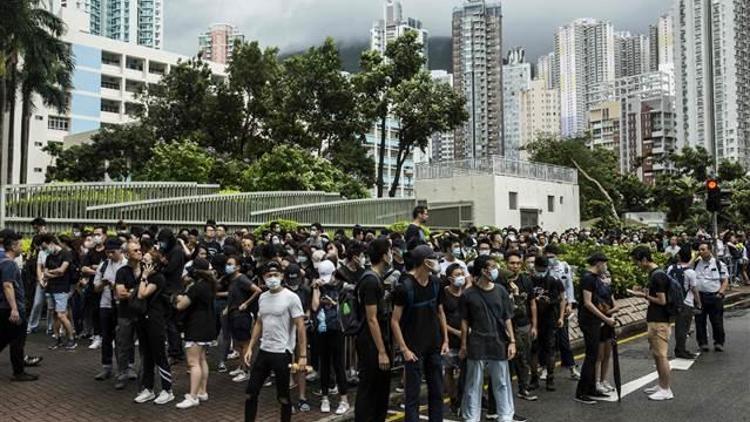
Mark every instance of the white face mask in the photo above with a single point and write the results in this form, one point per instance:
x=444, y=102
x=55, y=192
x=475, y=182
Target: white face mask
x=484, y=252
x=459, y=281
x=273, y=283
x=494, y=273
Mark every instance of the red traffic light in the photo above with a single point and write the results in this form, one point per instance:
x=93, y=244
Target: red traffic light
x=712, y=184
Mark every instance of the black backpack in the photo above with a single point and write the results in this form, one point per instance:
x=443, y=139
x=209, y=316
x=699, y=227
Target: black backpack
x=675, y=296
x=351, y=311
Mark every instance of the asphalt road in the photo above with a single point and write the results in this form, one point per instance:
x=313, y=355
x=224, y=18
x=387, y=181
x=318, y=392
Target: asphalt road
x=715, y=389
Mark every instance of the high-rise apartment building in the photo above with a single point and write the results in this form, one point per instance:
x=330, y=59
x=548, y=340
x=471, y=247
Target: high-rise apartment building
x=516, y=79
x=217, y=44
x=540, y=113
x=548, y=69
x=663, y=31
x=477, y=74
x=133, y=21
x=442, y=148
x=631, y=54
x=712, y=69
x=585, y=52
x=394, y=25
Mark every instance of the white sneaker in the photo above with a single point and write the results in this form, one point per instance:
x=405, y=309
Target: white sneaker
x=144, y=396
x=164, y=397
x=232, y=356
x=662, y=395
x=241, y=377
x=575, y=374
x=601, y=389
x=202, y=397
x=608, y=386
x=96, y=343
x=236, y=372
x=325, y=405
x=343, y=408
x=651, y=390
x=189, y=402
x=312, y=376
x=543, y=377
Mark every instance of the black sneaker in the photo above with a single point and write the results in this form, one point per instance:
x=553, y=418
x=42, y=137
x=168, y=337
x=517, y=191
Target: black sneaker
x=718, y=348
x=56, y=344
x=598, y=395
x=526, y=395
x=534, y=385
x=686, y=355
x=704, y=348
x=104, y=375
x=71, y=344
x=32, y=360
x=585, y=400
x=24, y=377
x=551, y=385
x=519, y=418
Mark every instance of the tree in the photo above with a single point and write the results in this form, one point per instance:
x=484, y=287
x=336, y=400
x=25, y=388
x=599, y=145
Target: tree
x=351, y=157
x=677, y=195
x=423, y=107
x=635, y=196
x=693, y=162
x=730, y=171
x=291, y=168
x=181, y=161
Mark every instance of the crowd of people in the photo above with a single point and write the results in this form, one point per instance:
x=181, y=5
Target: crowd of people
x=360, y=307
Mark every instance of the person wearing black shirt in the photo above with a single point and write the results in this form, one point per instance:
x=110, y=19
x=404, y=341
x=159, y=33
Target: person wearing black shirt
x=126, y=285
x=374, y=359
x=590, y=320
x=414, y=233
x=549, y=301
x=449, y=302
x=57, y=279
x=521, y=290
x=657, y=318
x=209, y=240
x=94, y=257
x=487, y=340
x=241, y=294
x=151, y=327
x=174, y=257
x=419, y=329
x=197, y=302
x=294, y=281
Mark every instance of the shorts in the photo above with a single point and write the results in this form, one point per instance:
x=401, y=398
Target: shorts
x=607, y=333
x=658, y=338
x=60, y=302
x=451, y=360
x=241, y=326
x=189, y=344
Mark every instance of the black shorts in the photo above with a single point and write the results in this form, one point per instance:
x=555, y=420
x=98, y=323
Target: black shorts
x=607, y=333
x=241, y=326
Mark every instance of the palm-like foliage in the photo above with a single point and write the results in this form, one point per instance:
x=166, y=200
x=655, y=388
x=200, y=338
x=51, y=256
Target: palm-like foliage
x=34, y=59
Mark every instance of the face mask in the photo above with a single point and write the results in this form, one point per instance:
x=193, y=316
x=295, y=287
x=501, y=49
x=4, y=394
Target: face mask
x=459, y=281
x=229, y=269
x=314, y=233
x=484, y=252
x=97, y=240
x=456, y=252
x=163, y=246
x=494, y=274
x=290, y=251
x=273, y=283
x=275, y=241
x=361, y=260
x=553, y=261
x=302, y=259
x=76, y=234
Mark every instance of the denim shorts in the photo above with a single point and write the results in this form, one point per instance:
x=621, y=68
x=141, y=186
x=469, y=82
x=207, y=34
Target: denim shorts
x=60, y=301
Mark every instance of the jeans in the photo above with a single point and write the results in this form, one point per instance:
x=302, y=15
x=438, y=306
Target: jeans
x=225, y=336
x=432, y=365
x=13, y=335
x=563, y=346
x=152, y=334
x=681, y=329
x=125, y=341
x=332, y=356
x=264, y=364
x=36, y=309
x=546, y=342
x=108, y=323
x=521, y=364
x=591, y=334
x=713, y=310
x=502, y=390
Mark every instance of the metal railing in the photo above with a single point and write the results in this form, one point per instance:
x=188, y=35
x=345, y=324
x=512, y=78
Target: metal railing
x=499, y=166
x=377, y=212
x=72, y=200
x=229, y=208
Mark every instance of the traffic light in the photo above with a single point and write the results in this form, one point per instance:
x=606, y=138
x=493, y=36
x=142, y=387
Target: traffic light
x=713, y=197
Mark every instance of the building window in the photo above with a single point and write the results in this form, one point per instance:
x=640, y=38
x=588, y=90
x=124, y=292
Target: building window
x=39, y=117
x=561, y=200
x=38, y=144
x=58, y=123
x=550, y=204
x=513, y=200
x=37, y=169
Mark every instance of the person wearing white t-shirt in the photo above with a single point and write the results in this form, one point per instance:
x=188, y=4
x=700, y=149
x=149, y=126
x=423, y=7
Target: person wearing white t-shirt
x=279, y=326
x=452, y=252
x=713, y=281
x=683, y=271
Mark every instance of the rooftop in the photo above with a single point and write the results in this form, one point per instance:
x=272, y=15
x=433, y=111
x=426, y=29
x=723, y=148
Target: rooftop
x=499, y=166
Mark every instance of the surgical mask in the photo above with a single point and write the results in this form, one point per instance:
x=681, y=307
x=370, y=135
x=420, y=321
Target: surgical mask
x=229, y=269
x=302, y=259
x=98, y=240
x=275, y=241
x=163, y=246
x=456, y=251
x=484, y=252
x=494, y=274
x=459, y=281
x=314, y=233
x=273, y=283
x=290, y=251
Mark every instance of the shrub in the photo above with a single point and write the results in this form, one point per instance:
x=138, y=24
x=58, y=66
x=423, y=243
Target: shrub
x=286, y=226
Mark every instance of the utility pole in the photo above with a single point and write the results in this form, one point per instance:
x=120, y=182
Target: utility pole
x=3, y=169
x=710, y=103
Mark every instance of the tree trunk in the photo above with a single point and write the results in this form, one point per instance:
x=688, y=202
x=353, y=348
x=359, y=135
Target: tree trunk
x=381, y=156
x=11, y=95
x=601, y=189
x=25, y=123
x=400, y=160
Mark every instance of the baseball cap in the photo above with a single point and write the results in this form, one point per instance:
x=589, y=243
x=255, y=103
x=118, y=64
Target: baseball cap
x=293, y=273
x=422, y=252
x=113, y=244
x=270, y=266
x=326, y=270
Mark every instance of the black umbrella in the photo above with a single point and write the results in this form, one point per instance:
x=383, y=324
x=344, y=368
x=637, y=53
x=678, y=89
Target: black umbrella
x=616, y=367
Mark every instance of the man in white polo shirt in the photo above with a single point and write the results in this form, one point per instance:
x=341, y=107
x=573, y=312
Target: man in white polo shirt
x=713, y=280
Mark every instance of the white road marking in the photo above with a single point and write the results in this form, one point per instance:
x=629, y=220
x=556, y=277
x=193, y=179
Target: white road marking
x=635, y=385
x=421, y=417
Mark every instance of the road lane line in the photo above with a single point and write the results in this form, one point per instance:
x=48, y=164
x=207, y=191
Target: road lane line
x=632, y=386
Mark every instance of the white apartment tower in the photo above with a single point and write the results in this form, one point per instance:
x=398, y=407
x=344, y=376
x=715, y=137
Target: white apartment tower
x=516, y=79
x=394, y=25
x=477, y=74
x=548, y=69
x=631, y=54
x=721, y=85
x=585, y=52
x=540, y=113
x=217, y=43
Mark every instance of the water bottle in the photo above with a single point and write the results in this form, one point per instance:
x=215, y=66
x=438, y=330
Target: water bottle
x=322, y=320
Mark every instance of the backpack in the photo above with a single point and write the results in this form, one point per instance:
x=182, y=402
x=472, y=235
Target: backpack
x=408, y=285
x=675, y=296
x=678, y=273
x=351, y=312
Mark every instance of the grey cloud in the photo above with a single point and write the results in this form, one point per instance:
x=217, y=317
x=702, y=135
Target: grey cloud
x=291, y=24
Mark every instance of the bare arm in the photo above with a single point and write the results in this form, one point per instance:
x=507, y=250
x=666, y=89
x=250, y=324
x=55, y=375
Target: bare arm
x=145, y=289
x=299, y=322
x=396, y=329
x=464, y=338
x=443, y=328
x=315, y=299
x=371, y=312
x=450, y=330
x=10, y=295
x=59, y=270
x=256, y=292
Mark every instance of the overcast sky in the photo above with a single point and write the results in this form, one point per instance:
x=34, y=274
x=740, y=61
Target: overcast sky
x=294, y=24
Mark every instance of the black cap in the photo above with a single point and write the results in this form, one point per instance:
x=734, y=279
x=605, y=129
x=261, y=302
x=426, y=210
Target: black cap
x=113, y=244
x=201, y=264
x=422, y=252
x=596, y=258
x=541, y=262
x=270, y=266
x=293, y=273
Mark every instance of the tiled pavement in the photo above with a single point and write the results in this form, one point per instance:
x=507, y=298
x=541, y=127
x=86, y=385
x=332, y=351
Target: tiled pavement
x=67, y=391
